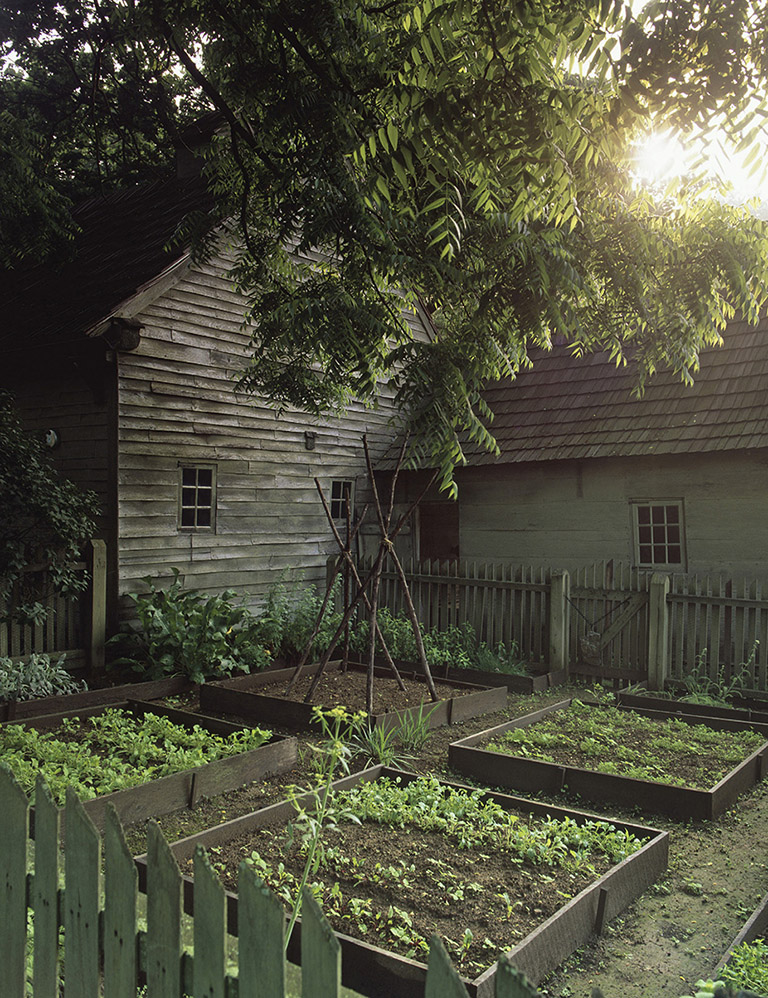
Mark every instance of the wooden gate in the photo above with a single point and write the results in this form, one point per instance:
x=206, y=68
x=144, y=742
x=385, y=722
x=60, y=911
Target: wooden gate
x=608, y=634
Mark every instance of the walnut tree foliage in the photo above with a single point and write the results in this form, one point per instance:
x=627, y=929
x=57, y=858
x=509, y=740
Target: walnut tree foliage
x=470, y=157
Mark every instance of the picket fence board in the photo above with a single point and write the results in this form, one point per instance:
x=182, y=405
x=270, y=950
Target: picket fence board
x=442, y=979
x=261, y=965
x=121, y=887
x=163, y=917
x=209, y=930
x=320, y=950
x=45, y=893
x=82, y=861
x=13, y=876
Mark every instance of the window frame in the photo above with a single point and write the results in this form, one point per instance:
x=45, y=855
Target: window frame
x=338, y=503
x=196, y=527
x=639, y=542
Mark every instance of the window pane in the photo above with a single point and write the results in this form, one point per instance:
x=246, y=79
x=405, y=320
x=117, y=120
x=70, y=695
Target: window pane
x=645, y=554
x=657, y=514
x=659, y=554
x=187, y=517
x=673, y=514
x=675, y=554
x=188, y=476
x=204, y=476
x=188, y=497
x=659, y=535
x=203, y=517
x=673, y=534
x=644, y=535
x=643, y=514
x=204, y=497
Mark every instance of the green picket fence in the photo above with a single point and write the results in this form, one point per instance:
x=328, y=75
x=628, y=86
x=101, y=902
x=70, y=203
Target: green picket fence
x=104, y=952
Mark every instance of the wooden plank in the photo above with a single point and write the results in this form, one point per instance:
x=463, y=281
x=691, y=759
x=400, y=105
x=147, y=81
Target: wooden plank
x=320, y=952
x=209, y=930
x=13, y=883
x=45, y=894
x=442, y=978
x=82, y=859
x=510, y=983
x=163, y=917
x=121, y=884
x=261, y=964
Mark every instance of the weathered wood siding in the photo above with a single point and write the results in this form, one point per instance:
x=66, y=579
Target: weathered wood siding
x=177, y=405
x=570, y=514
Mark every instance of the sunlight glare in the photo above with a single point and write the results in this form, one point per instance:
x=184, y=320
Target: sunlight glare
x=659, y=158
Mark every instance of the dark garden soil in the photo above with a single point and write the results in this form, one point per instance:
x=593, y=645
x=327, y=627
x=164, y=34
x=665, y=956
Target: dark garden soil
x=673, y=935
x=348, y=689
x=442, y=888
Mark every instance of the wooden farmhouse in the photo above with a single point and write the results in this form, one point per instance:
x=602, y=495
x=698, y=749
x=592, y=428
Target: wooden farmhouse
x=126, y=358
x=676, y=480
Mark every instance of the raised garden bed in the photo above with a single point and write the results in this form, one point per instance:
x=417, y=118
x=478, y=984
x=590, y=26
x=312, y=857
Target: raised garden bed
x=535, y=681
x=259, y=697
x=496, y=768
x=375, y=971
x=744, y=709
x=180, y=789
x=13, y=709
x=756, y=927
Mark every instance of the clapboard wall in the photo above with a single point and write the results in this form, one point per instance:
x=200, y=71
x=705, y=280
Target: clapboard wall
x=568, y=514
x=177, y=405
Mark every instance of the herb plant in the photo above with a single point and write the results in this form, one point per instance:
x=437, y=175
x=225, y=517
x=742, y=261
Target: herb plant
x=748, y=967
x=38, y=676
x=113, y=751
x=456, y=646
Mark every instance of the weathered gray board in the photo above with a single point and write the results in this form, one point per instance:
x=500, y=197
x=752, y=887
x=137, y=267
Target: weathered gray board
x=242, y=698
x=757, y=712
x=13, y=709
x=756, y=927
x=380, y=974
x=178, y=790
x=532, y=776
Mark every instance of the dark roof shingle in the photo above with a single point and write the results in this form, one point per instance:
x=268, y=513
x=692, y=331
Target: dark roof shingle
x=570, y=408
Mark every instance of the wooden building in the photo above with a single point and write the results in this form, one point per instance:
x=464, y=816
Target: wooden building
x=676, y=479
x=128, y=354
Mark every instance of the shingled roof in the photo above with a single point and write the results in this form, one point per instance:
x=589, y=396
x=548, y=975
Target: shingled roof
x=577, y=408
x=122, y=249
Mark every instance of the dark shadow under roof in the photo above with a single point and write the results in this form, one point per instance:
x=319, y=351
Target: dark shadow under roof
x=122, y=246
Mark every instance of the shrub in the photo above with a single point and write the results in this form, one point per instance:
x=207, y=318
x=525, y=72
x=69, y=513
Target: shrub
x=183, y=631
x=289, y=617
x=44, y=520
x=36, y=677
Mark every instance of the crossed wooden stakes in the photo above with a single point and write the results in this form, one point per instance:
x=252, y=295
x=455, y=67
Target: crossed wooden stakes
x=367, y=591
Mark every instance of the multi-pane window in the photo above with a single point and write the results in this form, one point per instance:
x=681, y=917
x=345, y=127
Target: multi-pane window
x=197, y=497
x=341, y=492
x=659, y=534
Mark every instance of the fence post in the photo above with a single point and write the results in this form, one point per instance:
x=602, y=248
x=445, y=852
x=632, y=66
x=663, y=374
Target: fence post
x=97, y=615
x=559, y=620
x=658, y=631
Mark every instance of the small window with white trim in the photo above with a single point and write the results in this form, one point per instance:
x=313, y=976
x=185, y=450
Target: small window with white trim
x=659, y=533
x=342, y=492
x=197, y=497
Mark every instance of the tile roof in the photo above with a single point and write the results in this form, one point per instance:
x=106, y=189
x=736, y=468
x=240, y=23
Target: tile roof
x=575, y=408
x=120, y=249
